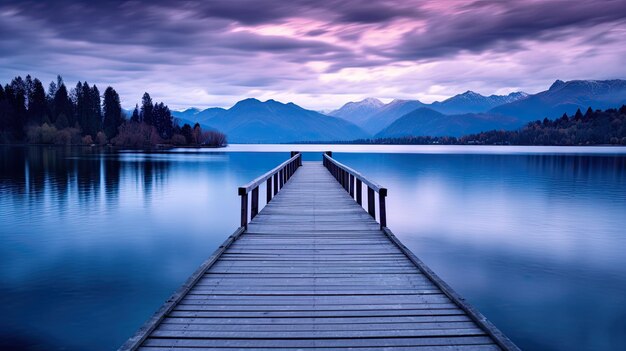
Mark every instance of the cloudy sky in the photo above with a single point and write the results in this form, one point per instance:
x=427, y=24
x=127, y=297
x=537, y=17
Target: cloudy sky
x=319, y=54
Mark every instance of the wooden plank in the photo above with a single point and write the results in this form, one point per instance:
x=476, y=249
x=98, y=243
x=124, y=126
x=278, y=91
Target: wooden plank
x=314, y=334
x=317, y=327
x=311, y=314
x=476, y=347
x=356, y=322
x=297, y=343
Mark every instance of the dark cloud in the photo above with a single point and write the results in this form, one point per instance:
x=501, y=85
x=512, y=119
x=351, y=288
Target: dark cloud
x=272, y=45
x=448, y=27
x=484, y=25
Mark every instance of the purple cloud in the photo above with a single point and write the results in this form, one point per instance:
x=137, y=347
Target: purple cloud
x=316, y=53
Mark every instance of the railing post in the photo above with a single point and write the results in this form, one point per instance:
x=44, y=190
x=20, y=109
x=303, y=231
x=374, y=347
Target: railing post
x=281, y=176
x=275, y=183
x=371, y=206
x=382, y=193
x=342, y=179
x=244, y=207
x=254, y=210
x=268, y=190
x=359, y=192
x=351, y=186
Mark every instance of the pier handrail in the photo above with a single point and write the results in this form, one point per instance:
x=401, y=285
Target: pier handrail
x=276, y=179
x=352, y=181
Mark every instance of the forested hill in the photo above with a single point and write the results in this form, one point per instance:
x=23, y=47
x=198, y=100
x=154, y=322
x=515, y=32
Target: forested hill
x=81, y=116
x=591, y=128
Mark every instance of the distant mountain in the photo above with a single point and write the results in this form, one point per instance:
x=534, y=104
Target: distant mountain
x=428, y=122
x=566, y=97
x=186, y=114
x=253, y=121
x=373, y=116
x=194, y=115
x=471, y=102
x=358, y=112
x=389, y=113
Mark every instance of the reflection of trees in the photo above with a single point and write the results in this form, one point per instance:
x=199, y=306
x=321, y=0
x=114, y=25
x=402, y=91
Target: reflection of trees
x=153, y=171
x=112, y=176
x=595, y=168
x=84, y=172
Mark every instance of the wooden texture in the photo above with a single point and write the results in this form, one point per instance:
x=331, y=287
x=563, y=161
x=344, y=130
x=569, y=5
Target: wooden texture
x=314, y=271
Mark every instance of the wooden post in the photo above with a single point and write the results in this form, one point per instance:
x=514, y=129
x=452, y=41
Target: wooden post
x=255, y=202
x=371, y=206
x=342, y=179
x=275, y=183
x=382, y=193
x=268, y=190
x=359, y=192
x=347, y=181
x=297, y=161
x=244, y=207
x=351, y=186
x=281, y=176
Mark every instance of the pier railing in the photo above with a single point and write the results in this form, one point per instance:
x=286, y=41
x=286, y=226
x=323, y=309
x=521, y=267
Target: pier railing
x=352, y=181
x=275, y=179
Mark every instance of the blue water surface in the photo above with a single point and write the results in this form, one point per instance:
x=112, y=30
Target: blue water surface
x=92, y=241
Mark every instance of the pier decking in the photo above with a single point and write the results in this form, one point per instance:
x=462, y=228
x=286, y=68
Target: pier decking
x=314, y=270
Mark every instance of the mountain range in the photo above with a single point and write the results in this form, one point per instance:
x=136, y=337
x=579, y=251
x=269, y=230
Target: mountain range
x=253, y=121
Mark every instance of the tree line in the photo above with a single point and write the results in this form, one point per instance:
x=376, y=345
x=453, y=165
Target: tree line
x=597, y=127
x=81, y=115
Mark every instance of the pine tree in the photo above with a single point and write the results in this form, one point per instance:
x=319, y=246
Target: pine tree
x=52, y=89
x=163, y=120
x=147, y=108
x=17, y=101
x=197, y=134
x=95, y=112
x=578, y=116
x=187, y=132
x=82, y=94
x=5, y=110
x=589, y=113
x=112, y=113
x=62, y=105
x=28, y=86
x=135, y=117
x=37, y=103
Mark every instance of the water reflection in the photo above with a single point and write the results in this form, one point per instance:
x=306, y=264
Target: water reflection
x=91, y=237
x=536, y=242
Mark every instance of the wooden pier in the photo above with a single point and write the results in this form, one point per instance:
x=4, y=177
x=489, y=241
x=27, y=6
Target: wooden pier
x=313, y=270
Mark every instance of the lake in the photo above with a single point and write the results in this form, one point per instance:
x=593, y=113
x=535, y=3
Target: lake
x=92, y=241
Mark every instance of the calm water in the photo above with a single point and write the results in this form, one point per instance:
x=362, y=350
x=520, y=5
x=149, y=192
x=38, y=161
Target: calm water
x=92, y=243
